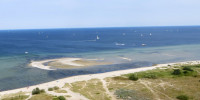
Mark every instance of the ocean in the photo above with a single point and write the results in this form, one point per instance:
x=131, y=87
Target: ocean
x=143, y=45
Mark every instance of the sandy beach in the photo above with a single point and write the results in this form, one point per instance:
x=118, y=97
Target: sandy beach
x=66, y=63
x=62, y=82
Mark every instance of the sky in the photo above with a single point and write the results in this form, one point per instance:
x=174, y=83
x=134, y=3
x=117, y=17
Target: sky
x=37, y=14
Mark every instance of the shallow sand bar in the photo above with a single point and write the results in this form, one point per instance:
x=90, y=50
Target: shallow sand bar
x=66, y=63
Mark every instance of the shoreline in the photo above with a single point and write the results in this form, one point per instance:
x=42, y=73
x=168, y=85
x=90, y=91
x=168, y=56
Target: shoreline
x=61, y=82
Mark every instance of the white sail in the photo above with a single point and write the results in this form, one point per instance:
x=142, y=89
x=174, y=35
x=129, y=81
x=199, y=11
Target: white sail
x=98, y=37
x=143, y=44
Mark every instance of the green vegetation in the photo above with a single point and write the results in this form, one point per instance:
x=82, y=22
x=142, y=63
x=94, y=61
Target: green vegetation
x=168, y=83
x=187, y=68
x=126, y=94
x=192, y=66
x=176, y=72
x=92, y=89
x=133, y=77
x=37, y=91
x=50, y=89
x=53, y=88
x=42, y=96
x=19, y=97
x=153, y=74
x=60, y=91
x=59, y=98
x=182, y=97
x=172, y=72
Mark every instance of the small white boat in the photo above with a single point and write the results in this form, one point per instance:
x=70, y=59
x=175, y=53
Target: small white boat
x=26, y=52
x=141, y=35
x=150, y=34
x=143, y=44
x=98, y=37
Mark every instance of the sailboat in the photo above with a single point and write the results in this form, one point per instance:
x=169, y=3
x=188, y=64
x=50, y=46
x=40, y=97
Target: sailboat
x=98, y=37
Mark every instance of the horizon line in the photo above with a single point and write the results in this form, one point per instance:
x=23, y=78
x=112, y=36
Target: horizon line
x=99, y=27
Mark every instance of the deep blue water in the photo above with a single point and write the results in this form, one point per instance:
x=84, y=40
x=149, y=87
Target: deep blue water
x=165, y=44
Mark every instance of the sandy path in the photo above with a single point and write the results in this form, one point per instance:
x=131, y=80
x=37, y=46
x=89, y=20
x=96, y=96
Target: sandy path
x=107, y=91
x=75, y=96
x=29, y=96
x=149, y=88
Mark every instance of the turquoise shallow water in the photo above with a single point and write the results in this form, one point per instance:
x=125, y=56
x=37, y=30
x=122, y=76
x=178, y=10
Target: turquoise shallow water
x=166, y=44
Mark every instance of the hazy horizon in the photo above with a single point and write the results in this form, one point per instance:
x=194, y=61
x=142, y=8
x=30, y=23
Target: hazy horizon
x=101, y=27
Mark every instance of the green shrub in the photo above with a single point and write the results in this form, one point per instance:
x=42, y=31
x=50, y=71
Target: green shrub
x=50, y=89
x=61, y=98
x=150, y=75
x=36, y=91
x=187, y=69
x=133, y=77
x=197, y=65
x=55, y=88
x=120, y=78
x=42, y=91
x=182, y=97
x=176, y=72
x=185, y=72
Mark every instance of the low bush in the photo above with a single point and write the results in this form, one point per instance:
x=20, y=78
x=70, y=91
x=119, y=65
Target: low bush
x=187, y=69
x=36, y=91
x=61, y=98
x=133, y=77
x=197, y=65
x=42, y=91
x=176, y=72
x=150, y=75
x=182, y=97
x=119, y=78
x=50, y=89
x=55, y=88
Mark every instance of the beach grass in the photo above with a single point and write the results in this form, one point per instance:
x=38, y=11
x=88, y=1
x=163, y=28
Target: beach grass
x=60, y=91
x=42, y=96
x=15, y=96
x=19, y=97
x=92, y=89
x=158, y=84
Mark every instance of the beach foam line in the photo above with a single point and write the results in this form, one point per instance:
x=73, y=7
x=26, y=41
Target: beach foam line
x=61, y=82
